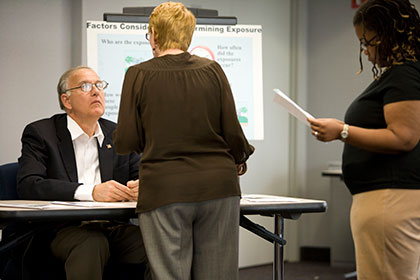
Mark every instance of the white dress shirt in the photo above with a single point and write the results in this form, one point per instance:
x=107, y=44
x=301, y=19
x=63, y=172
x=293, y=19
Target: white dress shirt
x=87, y=158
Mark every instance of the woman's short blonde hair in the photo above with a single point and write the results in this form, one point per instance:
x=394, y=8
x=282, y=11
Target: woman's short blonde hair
x=173, y=25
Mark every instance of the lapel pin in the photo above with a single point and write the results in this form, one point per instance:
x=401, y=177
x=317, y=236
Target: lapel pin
x=108, y=146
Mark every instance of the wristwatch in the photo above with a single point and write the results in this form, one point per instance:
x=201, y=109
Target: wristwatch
x=345, y=132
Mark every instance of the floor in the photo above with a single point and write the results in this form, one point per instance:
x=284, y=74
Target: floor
x=298, y=271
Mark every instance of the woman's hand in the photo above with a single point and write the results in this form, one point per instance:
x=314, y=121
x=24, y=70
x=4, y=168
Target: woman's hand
x=401, y=134
x=241, y=168
x=326, y=129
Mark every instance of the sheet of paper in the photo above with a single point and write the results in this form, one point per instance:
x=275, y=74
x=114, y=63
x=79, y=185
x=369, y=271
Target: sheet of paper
x=269, y=198
x=88, y=204
x=291, y=106
x=59, y=205
x=24, y=205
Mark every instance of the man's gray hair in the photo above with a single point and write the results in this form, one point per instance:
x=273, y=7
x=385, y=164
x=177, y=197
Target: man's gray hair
x=63, y=82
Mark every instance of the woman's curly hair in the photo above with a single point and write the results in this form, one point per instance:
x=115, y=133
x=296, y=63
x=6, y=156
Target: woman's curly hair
x=397, y=27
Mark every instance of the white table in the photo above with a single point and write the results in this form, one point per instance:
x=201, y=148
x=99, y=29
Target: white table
x=279, y=207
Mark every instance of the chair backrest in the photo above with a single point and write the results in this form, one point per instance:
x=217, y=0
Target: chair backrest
x=8, y=181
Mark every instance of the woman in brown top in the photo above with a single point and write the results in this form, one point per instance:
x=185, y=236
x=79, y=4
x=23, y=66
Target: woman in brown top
x=178, y=110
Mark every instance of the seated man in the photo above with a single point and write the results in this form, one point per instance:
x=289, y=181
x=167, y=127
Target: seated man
x=71, y=157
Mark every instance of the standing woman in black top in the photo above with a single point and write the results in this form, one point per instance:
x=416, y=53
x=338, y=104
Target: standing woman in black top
x=381, y=132
x=178, y=110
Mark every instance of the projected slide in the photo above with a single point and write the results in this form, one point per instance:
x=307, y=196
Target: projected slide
x=113, y=47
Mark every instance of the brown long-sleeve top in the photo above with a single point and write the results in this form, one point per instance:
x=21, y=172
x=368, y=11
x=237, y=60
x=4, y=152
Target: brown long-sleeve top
x=178, y=110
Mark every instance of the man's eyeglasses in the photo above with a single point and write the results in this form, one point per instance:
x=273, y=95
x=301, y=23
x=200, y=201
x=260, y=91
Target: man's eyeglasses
x=87, y=87
x=147, y=36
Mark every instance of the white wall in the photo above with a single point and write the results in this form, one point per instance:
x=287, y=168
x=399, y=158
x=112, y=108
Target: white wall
x=332, y=61
x=35, y=48
x=40, y=39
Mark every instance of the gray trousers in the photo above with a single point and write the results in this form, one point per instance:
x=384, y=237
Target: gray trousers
x=85, y=249
x=193, y=240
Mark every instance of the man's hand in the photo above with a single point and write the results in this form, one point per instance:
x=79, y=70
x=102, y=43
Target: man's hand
x=114, y=191
x=134, y=186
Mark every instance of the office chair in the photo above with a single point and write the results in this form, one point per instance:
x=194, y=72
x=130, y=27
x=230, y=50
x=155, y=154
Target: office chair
x=17, y=246
x=8, y=175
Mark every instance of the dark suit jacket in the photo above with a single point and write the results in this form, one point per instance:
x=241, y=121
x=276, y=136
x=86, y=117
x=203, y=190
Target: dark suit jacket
x=47, y=166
